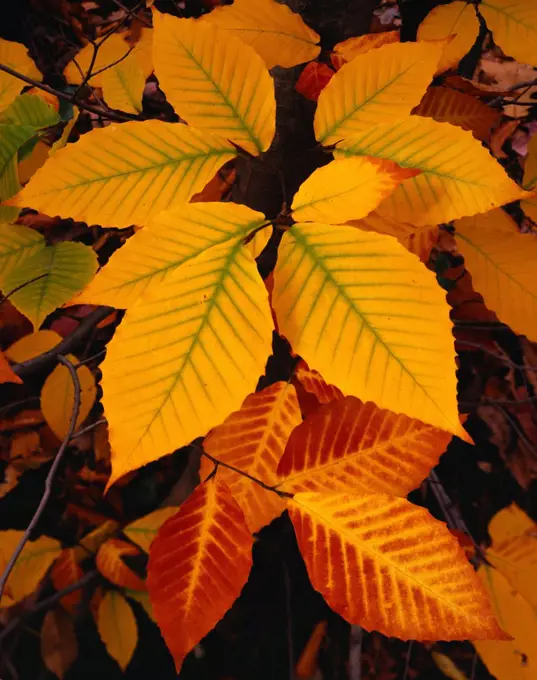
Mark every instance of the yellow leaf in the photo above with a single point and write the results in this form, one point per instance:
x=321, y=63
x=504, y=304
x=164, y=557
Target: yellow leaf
x=32, y=564
x=142, y=531
x=58, y=396
x=418, y=240
x=31, y=164
x=370, y=318
x=448, y=668
x=32, y=345
x=386, y=84
x=530, y=167
x=15, y=56
x=185, y=356
x=514, y=659
x=514, y=27
x=59, y=646
x=387, y=565
x=350, y=446
x=126, y=173
x=510, y=523
x=117, y=627
x=458, y=19
x=257, y=244
x=346, y=189
x=459, y=177
x=214, y=81
x=64, y=269
x=351, y=48
x=91, y=542
x=16, y=244
x=123, y=85
x=253, y=440
x=502, y=260
x=277, y=34
x=62, y=141
x=169, y=239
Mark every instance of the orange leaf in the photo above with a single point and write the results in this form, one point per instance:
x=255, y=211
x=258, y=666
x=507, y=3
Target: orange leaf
x=112, y=567
x=66, y=571
x=348, y=49
x=312, y=381
x=449, y=106
x=351, y=446
x=6, y=372
x=387, y=565
x=308, y=662
x=313, y=79
x=253, y=440
x=198, y=564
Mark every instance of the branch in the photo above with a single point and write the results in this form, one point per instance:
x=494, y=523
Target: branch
x=50, y=477
x=64, y=347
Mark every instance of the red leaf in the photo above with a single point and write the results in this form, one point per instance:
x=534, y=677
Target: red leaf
x=313, y=79
x=66, y=571
x=198, y=564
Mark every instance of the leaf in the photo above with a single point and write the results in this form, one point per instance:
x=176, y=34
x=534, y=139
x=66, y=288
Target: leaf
x=345, y=189
x=117, y=627
x=501, y=261
x=530, y=167
x=236, y=102
x=199, y=562
x=62, y=141
x=529, y=206
x=142, y=531
x=253, y=440
x=417, y=240
x=64, y=268
x=459, y=177
x=351, y=48
x=143, y=600
x=12, y=138
x=123, y=85
x=171, y=238
x=277, y=34
x=349, y=446
x=314, y=383
x=121, y=173
x=514, y=27
x=32, y=163
x=59, y=646
x=32, y=345
x=91, y=542
x=386, y=84
x=313, y=79
x=514, y=659
x=58, y=397
x=450, y=106
x=344, y=298
x=15, y=56
x=457, y=19
x=448, y=668
x=259, y=241
x=7, y=375
x=66, y=571
x=387, y=565
x=31, y=566
x=185, y=356
x=111, y=565
x=30, y=109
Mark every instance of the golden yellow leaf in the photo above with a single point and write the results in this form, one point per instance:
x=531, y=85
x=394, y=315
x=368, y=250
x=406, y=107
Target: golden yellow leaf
x=418, y=240
x=123, y=85
x=346, y=189
x=514, y=27
x=530, y=167
x=458, y=177
x=502, y=260
x=31, y=164
x=15, y=56
x=125, y=173
x=59, y=646
x=117, y=627
x=257, y=244
x=370, y=318
x=32, y=345
x=277, y=34
x=185, y=356
x=458, y=19
x=16, y=244
x=350, y=446
x=510, y=523
x=253, y=440
x=142, y=531
x=32, y=564
x=387, y=565
x=351, y=48
x=169, y=239
x=214, y=81
x=386, y=84
x=514, y=659
x=58, y=396
x=7, y=375
x=62, y=141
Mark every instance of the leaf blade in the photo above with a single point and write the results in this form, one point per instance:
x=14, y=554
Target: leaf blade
x=117, y=627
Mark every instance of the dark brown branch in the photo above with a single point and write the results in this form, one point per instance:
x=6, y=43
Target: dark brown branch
x=50, y=477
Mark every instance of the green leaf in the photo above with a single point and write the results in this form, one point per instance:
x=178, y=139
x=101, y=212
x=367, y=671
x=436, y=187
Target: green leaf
x=29, y=109
x=16, y=244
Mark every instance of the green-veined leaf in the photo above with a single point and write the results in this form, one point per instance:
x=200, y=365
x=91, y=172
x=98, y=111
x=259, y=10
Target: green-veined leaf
x=16, y=244
x=29, y=109
x=514, y=27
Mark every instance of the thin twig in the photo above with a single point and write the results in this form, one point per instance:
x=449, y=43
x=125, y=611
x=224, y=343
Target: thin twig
x=89, y=428
x=140, y=18
x=50, y=477
x=407, y=661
